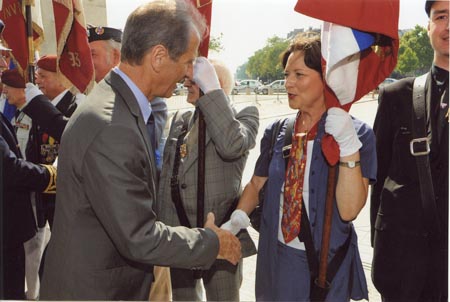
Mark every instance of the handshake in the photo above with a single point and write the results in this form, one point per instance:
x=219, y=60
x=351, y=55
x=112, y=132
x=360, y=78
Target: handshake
x=230, y=247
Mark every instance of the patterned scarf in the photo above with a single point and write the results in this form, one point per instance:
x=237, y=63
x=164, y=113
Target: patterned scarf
x=293, y=188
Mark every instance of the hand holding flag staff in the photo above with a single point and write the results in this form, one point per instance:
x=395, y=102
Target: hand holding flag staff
x=359, y=50
x=205, y=8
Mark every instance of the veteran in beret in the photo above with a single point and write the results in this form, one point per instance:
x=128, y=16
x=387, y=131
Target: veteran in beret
x=105, y=45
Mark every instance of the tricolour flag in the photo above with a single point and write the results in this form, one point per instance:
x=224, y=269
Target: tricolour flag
x=15, y=32
x=359, y=49
x=74, y=55
x=205, y=8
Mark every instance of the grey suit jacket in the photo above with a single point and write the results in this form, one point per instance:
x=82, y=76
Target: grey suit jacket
x=105, y=238
x=229, y=137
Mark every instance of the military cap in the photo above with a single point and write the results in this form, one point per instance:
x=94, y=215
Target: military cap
x=104, y=33
x=2, y=27
x=47, y=62
x=428, y=5
x=12, y=78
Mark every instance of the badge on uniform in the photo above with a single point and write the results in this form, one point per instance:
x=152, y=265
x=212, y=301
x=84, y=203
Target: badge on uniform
x=22, y=126
x=183, y=150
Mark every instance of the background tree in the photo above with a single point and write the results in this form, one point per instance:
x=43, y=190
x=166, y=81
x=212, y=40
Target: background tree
x=415, y=54
x=241, y=72
x=265, y=64
x=215, y=43
x=407, y=63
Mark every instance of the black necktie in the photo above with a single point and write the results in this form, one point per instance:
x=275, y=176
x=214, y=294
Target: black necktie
x=151, y=131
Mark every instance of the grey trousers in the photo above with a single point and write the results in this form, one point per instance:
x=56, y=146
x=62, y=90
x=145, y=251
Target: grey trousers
x=221, y=282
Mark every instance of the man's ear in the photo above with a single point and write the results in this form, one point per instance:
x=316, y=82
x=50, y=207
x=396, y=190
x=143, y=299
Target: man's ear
x=158, y=57
x=116, y=56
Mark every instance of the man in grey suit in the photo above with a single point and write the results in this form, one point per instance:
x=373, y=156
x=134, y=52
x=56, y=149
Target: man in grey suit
x=230, y=134
x=106, y=238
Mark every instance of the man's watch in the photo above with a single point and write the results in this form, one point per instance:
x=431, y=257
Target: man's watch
x=349, y=164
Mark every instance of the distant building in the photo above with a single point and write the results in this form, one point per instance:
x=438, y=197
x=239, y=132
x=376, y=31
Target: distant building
x=305, y=32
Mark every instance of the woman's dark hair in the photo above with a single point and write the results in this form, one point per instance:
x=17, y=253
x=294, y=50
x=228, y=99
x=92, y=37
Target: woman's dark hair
x=310, y=46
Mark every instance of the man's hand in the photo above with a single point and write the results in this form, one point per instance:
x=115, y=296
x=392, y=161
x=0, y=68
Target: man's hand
x=229, y=245
x=205, y=75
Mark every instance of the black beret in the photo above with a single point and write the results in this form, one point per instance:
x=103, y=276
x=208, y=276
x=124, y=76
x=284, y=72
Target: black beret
x=104, y=33
x=12, y=78
x=428, y=5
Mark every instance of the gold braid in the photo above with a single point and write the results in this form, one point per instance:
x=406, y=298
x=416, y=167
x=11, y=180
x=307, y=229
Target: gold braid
x=51, y=187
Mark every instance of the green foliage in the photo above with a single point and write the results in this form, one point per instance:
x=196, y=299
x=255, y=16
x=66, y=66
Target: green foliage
x=407, y=62
x=415, y=54
x=241, y=71
x=265, y=64
x=215, y=43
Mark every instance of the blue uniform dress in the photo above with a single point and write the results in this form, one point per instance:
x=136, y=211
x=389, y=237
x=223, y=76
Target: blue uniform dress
x=282, y=272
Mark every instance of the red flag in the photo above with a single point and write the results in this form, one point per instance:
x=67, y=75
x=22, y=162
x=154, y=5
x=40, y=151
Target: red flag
x=74, y=55
x=205, y=8
x=15, y=33
x=359, y=50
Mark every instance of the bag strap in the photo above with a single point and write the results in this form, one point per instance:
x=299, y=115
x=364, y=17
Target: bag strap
x=288, y=139
x=420, y=149
x=174, y=184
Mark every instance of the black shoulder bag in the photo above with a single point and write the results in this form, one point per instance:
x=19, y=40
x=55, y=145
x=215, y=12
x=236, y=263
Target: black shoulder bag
x=255, y=216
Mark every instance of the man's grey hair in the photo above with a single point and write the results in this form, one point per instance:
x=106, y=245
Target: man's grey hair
x=161, y=22
x=114, y=44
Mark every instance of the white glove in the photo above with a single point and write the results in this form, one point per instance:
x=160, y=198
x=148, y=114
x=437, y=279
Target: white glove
x=55, y=163
x=205, y=75
x=239, y=220
x=340, y=125
x=31, y=91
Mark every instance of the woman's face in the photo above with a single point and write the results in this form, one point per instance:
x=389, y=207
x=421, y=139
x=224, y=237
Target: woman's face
x=304, y=85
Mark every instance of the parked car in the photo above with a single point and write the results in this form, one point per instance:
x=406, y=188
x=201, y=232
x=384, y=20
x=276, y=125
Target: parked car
x=241, y=86
x=274, y=87
x=387, y=81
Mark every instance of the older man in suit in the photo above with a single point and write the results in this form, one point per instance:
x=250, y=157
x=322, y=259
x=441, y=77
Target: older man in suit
x=230, y=134
x=106, y=238
x=409, y=207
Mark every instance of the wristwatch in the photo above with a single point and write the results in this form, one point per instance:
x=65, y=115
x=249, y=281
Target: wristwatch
x=349, y=164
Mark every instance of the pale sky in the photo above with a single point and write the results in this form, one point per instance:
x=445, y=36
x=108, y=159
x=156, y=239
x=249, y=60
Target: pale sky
x=247, y=24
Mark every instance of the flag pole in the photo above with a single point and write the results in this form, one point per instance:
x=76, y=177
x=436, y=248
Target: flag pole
x=29, y=26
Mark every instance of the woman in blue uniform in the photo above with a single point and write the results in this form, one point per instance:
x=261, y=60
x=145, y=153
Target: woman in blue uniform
x=282, y=272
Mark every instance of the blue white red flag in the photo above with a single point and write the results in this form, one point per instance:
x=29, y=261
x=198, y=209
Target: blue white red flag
x=359, y=50
x=341, y=52
x=359, y=45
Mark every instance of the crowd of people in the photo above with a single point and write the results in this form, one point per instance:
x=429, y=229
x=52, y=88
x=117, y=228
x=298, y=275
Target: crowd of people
x=118, y=181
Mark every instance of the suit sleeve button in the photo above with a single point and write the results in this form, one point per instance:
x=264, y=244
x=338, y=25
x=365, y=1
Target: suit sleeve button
x=183, y=186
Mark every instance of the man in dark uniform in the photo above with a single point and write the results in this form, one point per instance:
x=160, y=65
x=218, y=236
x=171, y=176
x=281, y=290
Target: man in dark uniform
x=19, y=179
x=410, y=231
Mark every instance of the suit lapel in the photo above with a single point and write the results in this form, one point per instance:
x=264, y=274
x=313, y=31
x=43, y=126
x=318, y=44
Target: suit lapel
x=122, y=89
